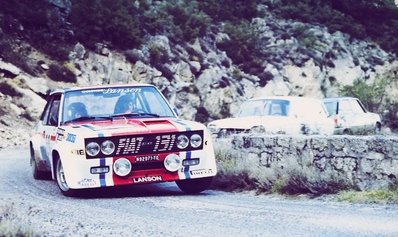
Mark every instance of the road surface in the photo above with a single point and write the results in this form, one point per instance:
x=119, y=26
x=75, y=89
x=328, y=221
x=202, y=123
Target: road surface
x=162, y=210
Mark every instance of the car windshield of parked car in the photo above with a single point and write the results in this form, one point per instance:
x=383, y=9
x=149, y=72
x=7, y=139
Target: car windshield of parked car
x=139, y=101
x=264, y=107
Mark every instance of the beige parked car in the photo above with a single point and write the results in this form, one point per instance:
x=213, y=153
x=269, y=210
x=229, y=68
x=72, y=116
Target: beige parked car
x=276, y=115
x=351, y=116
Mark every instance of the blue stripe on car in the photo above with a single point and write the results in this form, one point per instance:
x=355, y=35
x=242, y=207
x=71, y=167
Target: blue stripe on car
x=102, y=163
x=188, y=153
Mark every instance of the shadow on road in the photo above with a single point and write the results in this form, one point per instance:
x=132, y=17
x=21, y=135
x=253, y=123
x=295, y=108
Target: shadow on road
x=145, y=190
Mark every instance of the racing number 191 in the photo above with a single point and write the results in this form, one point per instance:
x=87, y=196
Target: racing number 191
x=164, y=143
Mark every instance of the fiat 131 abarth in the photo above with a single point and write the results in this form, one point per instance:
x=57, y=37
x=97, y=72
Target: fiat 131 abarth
x=93, y=137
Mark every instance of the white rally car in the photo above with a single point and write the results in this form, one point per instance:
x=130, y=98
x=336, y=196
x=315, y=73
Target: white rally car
x=118, y=135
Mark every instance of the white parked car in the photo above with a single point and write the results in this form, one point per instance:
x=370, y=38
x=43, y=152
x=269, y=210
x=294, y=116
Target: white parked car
x=351, y=116
x=277, y=115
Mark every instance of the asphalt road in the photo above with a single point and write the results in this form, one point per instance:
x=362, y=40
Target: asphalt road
x=162, y=210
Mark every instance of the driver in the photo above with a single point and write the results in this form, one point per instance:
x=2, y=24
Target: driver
x=125, y=104
x=76, y=110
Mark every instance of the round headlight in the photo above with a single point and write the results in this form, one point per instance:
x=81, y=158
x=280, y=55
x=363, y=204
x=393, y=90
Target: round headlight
x=122, y=167
x=182, y=141
x=172, y=162
x=107, y=147
x=196, y=140
x=92, y=149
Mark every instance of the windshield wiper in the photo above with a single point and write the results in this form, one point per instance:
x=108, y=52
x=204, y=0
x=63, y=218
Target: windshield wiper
x=129, y=115
x=84, y=118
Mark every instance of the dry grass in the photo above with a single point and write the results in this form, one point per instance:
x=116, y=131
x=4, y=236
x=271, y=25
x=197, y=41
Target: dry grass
x=11, y=225
x=389, y=196
x=239, y=173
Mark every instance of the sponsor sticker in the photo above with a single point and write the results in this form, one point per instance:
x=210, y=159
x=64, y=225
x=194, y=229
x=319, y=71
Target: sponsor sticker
x=147, y=179
x=78, y=152
x=70, y=137
x=60, y=134
x=87, y=182
x=201, y=172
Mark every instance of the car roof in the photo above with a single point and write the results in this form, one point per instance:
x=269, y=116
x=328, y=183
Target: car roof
x=78, y=88
x=339, y=98
x=289, y=98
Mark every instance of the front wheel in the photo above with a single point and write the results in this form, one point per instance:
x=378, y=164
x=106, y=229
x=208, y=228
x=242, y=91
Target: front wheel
x=193, y=186
x=61, y=181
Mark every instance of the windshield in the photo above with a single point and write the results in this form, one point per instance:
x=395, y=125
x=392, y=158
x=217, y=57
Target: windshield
x=265, y=107
x=136, y=101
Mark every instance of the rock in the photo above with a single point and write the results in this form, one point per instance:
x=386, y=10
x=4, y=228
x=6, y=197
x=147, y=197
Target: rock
x=9, y=70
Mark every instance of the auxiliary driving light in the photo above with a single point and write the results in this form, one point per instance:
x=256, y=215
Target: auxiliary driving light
x=196, y=140
x=122, y=167
x=107, y=147
x=172, y=162
x=92, y=149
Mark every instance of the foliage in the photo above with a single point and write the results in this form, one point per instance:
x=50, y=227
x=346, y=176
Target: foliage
x=384, y=196
x=28, y=20
x=374, y=97
x=358, y=18
x=292, y=178
x=61, y=73
x=229, y=10
x=11, y=225
x=9, y=54
x=8, y=88
x=179, y=20
x=111, y=21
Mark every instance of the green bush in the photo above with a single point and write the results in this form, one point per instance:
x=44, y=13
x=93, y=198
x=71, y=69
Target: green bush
x=181, y=21
x=8, y=88
x=374, y=97
x=358, y=18
x=111, y=21
x=60, y=73
x=8, y=54
x=229, y=10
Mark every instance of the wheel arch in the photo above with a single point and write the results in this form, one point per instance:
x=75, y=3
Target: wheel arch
x=54, y=158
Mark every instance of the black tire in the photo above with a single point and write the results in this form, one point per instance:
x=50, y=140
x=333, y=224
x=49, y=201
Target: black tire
x=377, y=128
x=37, y=174
x=347, y=132
x=194, y=186
x=61, y=182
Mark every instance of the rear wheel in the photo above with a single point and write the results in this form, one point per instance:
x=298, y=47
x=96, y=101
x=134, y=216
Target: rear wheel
x=61, y=181
x=193, y=186
x=377, y=128
x=347, y=132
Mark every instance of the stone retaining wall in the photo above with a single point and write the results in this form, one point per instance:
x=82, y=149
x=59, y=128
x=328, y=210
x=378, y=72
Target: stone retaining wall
x=367, y=162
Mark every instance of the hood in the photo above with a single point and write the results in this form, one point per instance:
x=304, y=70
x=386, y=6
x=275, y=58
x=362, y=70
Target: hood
x=128, y=126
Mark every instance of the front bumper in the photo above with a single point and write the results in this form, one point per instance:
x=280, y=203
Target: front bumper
x=78, y=172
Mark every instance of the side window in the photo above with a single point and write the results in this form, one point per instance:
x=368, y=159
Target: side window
x=50, y=116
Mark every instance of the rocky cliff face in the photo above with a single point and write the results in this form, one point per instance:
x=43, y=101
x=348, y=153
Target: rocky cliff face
x=198, y=78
